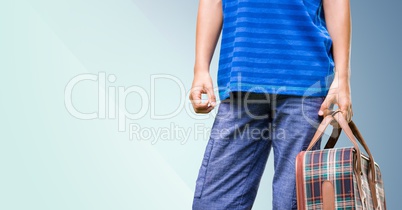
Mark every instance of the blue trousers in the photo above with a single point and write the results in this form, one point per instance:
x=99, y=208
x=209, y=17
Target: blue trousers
x=247, y=125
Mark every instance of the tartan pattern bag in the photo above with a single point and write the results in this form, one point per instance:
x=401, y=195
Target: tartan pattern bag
x=338, y=178
x=330, y=164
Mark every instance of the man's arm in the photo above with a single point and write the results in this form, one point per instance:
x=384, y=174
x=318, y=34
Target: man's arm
x=338, y=21
x=209, y=26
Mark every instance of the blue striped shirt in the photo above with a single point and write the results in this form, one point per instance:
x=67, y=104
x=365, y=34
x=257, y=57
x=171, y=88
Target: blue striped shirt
x=275, y=46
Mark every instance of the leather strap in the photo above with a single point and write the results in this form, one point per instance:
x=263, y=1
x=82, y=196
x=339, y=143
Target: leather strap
x=351, y=131
x=320, y=131
x=333, y=139
x=353, y=128
x=372, y=170
x=328, y=195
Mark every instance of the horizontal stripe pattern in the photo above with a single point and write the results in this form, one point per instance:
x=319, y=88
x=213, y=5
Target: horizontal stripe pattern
x=274, y=45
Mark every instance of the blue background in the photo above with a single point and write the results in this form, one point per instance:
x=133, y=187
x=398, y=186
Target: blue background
x=53, y=160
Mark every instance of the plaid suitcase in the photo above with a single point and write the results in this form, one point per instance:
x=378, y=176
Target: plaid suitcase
x=333, y=178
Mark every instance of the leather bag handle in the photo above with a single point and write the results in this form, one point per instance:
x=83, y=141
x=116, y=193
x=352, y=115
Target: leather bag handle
x=351, y=131
x=320, y=131
x=333, y=140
